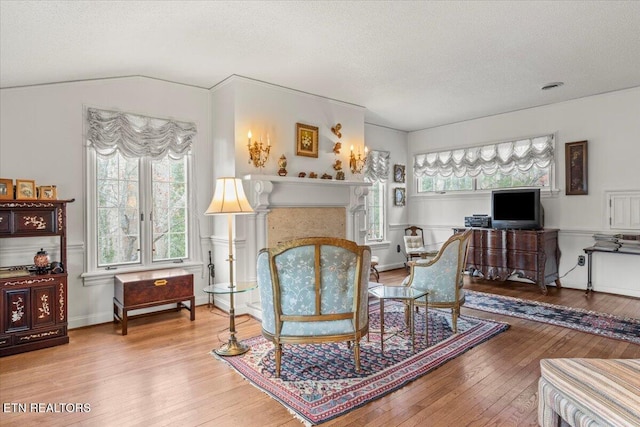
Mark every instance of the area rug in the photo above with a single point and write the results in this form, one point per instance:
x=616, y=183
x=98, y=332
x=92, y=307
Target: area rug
x=603, y=324
x=318, y=382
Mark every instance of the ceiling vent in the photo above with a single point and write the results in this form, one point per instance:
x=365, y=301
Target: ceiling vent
x=553, y=85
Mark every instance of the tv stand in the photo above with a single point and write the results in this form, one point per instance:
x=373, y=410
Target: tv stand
x=499, y=254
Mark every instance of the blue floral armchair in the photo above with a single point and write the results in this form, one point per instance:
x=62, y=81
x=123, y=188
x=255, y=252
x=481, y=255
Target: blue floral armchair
x=314, y=290
x=442, y=276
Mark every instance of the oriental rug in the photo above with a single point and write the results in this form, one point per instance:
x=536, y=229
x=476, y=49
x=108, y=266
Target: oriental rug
x=318, y=382
x=603, y=324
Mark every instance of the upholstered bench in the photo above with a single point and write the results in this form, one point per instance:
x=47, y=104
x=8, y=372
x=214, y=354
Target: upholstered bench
x=589, y=392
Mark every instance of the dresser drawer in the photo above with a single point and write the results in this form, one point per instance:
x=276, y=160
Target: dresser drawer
x=153, y=286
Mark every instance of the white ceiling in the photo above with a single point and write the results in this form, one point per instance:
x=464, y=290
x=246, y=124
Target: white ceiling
x=413, y=65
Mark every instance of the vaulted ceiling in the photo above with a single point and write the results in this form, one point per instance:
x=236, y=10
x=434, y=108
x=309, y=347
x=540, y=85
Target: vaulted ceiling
x=412, y=64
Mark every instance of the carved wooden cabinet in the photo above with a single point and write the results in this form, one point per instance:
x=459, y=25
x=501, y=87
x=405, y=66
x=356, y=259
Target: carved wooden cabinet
x=499, y=254
x=33, y=307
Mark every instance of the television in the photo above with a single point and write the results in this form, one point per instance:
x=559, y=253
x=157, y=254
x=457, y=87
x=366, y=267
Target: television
x=518, y=209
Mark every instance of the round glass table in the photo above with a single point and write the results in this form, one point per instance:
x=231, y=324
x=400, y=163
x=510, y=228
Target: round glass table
x=232, y=347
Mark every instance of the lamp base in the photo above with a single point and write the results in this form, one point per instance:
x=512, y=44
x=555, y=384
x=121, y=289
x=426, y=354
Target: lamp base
x=232, y=348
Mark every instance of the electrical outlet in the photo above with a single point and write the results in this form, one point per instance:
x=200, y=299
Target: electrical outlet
x=398, y=248
x=581, y=260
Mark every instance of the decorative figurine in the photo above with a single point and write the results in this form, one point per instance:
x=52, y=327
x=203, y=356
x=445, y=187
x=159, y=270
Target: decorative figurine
x=337, y=165
x=302, y=174
x=282, y=164
x=326, y=176
x=340, y=176
x=336, y=147
x=313, y=175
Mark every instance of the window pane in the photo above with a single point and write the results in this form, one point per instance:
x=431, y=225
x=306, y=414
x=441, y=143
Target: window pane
x=118, y=210
x=170, y=218
x=375, y=212
x=440, y=183
x=534, y=177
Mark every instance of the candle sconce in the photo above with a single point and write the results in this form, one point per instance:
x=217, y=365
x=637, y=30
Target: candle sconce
x=258, y=154
x=357, y=164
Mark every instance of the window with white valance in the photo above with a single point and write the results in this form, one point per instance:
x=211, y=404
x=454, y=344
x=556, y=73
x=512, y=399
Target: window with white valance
x=522, y=162
x=139, y=189
x=376, y=171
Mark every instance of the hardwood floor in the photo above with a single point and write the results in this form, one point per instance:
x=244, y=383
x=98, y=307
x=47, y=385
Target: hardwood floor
x=161, y=373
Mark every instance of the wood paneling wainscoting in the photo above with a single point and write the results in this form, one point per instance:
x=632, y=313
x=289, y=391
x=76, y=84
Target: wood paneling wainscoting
x=161, y=373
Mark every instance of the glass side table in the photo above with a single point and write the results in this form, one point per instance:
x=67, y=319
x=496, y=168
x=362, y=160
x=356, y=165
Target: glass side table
x=401, y=293
x=232, y=347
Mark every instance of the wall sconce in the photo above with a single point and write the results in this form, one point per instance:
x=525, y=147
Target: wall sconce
x=356, y=164
x=258, y=154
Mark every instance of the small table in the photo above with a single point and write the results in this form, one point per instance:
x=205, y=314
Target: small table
x=232, y=347
x=402, y=293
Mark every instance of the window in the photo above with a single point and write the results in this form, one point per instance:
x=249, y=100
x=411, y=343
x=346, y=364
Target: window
x=522, y=163
x=376, y=171
x=124, y=222
x=375, y=212
x=138, y=190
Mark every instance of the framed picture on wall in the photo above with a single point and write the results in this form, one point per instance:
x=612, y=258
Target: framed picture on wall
x=575, y=156
x=6, y=189
x=398, y=173
x=26, y=189
x=398, y=196
x=306, y=140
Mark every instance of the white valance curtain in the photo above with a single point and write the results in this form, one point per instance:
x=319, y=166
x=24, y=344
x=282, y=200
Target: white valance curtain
x=488, y=159
x=138, y=136
x=377, y=166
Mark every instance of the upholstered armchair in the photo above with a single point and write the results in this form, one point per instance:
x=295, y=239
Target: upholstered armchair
x=442, y=276
x=314, y=290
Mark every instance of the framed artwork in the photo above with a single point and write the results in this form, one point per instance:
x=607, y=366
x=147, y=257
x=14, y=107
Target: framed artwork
x=306, y=140
x=398, y=196
x=26, y=189
x=398, y=173
x=47, y=192
x=6, y=189
x=575, y=156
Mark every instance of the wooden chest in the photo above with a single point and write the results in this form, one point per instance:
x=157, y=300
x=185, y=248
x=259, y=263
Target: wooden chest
x=134, y=291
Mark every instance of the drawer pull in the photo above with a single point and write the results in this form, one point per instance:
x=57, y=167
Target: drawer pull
x=160, y=282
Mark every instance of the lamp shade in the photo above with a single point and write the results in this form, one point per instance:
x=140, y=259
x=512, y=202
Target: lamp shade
x=229, y=198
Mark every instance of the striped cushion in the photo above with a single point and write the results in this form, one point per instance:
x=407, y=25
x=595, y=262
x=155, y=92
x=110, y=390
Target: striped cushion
x=589, y=392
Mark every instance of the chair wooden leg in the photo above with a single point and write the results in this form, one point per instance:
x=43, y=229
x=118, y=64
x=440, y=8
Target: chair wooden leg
x=454, y=320
x=356, y=354
x=278, y=359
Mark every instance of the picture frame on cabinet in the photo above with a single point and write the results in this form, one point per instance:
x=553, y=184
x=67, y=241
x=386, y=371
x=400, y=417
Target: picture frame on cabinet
x=47, y=192
x=399, y=196
x=398, y=173
x=576, y=166
x=306, y=140
x=26, y=189
x=6, y=189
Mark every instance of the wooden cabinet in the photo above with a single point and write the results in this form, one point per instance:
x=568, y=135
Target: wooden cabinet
x=499, y=254
x=133, y=291
x=33, y=307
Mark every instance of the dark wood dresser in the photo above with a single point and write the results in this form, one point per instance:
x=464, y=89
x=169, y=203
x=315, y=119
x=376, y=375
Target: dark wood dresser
x=33, y=304
x=144, y=289
x=530, y=254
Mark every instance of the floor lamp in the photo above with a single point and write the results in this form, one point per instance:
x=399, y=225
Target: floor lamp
x=229, y=198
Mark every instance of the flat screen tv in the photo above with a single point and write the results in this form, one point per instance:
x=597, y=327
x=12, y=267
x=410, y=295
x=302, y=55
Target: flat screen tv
x=517, y=209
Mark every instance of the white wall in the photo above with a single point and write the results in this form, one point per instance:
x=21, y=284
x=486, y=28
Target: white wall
x=42, y=138
x=394, y=141
x=609, y=122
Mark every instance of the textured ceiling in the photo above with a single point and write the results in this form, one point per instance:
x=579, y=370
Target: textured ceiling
x=413, y=65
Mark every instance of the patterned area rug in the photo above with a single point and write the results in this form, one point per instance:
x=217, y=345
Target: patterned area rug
x=607, y=325
x=318, y=382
